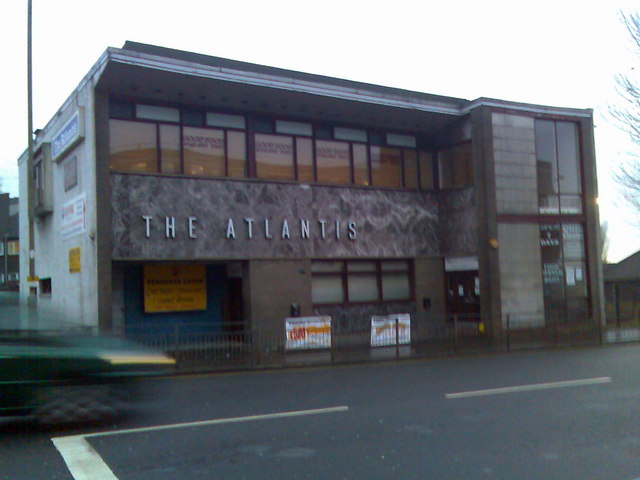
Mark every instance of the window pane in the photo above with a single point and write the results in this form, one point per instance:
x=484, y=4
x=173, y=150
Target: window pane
x=237, y=151
x=304, y=156
x=327, y=289
x=274, y=157
x=225, y=120
x=163, y=114
x=363, y=288
x=132, y=146
x=572, y=241
x=397, y=265
x=545, y=140
x=386, y=167
x=395, y=286
x=570, y=204
x=356, y=135
x=568, y=158
x=333, y=162
x=169, y=149
x=410, y=162
x=360, y=164
x=326, y=267
x=357, y=266
x=294, y=128
x=426, y=170
x=203, y=152
x=456, y=169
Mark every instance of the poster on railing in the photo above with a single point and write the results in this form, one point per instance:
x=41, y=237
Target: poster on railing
x=384, y=333
x=305, y=333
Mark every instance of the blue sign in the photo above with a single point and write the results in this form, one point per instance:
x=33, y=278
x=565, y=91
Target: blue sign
x=68, y=135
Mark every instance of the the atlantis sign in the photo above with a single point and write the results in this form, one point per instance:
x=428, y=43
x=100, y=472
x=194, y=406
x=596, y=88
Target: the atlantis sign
x=251, y=228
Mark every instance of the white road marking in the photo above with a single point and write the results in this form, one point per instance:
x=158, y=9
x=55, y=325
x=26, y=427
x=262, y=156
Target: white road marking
x=82, y=460
x=529, y=388
x=84, y=463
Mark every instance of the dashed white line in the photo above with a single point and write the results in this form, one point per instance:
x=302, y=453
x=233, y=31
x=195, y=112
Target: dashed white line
x=529, y=388
x=85, y=463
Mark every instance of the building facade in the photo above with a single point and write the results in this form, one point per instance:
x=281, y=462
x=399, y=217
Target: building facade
x=174, y=188
x=9, y=243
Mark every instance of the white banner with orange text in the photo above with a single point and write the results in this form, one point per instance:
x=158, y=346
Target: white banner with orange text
x=390, y=329
x=305, y=333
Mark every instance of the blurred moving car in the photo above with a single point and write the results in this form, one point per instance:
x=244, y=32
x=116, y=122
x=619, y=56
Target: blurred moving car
x=64, y=378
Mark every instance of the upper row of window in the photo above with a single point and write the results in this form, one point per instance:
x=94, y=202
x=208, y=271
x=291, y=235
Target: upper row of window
x=152, y=139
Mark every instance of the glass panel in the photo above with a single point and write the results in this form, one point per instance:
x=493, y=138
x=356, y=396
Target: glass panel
x=162, y=114
x=401, y=140
x=326, y=266
x=426, y=170
x=169, y=149
x=132, y=146
x=551, y=255
x=353, y=134
x=327, y=289
x=572, y=241
x=358, y=266
x=237, y=152
x=333, y=162
x=225, y=120
x=568, y=158
x=397, y=265
x=410, y=162
x=386, y=168
x=575, y=278
x=274, y=157
x=456, y=169
x=571, y=204
x=203, y=152
x=360, y=164
x=363, y=288
x=294, y=128
x=304, y=156
x=192, y=118
x=545, y=140
x=395, y=286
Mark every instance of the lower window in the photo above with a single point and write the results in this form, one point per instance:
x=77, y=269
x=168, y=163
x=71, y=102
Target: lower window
x=361, y=281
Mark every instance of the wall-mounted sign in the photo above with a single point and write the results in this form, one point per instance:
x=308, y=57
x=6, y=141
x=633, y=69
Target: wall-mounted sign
x=460, y=264
x=74, y=260
x=174, y=288
x=390, y=330
x=70, y=134
x=72, y=217
x=304, y=333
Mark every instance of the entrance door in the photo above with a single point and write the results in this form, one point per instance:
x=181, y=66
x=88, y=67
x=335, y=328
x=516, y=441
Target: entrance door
x=463, y=295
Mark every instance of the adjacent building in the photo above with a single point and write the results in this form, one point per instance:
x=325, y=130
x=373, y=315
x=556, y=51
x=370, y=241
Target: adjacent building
x=9, y=243
x=173, y=188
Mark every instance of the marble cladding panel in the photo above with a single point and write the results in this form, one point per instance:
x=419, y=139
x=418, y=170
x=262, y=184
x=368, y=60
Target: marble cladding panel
x=386, y=223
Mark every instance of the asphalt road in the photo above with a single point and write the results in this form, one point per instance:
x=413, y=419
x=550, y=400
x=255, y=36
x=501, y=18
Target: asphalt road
x=574, y=414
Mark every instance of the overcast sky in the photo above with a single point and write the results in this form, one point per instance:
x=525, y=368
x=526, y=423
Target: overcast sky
x=561, y=53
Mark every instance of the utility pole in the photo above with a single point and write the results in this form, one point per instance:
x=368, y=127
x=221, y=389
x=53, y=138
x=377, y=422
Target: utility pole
x=30, y=180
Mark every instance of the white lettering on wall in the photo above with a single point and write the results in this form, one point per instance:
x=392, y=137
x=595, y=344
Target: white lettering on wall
x=170, y=227
x=231, y=232
x=325, y=229
x=285, y=230
x=249, y=222
x=147, y=220
x=192, y=227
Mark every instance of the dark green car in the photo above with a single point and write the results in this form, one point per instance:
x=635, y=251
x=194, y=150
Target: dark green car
x=66, y=378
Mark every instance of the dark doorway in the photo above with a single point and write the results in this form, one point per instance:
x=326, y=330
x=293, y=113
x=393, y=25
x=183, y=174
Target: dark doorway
x=463, y=295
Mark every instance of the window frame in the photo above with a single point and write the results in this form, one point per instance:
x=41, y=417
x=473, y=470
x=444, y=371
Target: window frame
x=344, y=273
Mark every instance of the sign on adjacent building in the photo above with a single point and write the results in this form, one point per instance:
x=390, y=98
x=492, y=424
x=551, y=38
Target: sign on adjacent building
x=70, y=134
x=72, y=219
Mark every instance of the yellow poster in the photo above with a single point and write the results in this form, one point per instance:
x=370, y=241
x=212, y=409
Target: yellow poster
x=174, y=288
x=74, y=260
